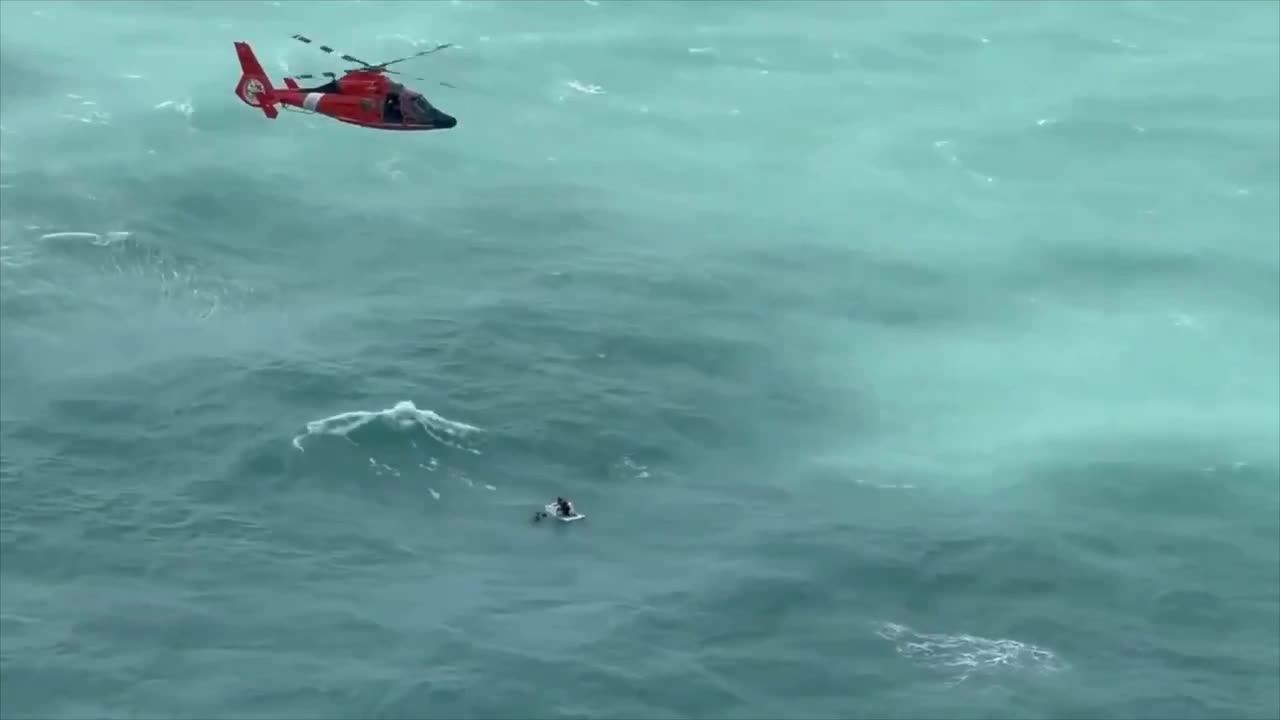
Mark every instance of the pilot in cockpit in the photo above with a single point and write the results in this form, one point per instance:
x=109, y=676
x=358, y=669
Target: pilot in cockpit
x=403, y=106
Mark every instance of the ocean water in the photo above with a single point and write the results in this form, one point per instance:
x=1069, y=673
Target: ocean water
x=907, y=359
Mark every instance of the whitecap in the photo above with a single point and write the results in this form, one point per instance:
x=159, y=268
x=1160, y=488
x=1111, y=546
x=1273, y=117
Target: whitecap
x=586, y=89
x=967, y=654
x=90, y=236
x=99, y=239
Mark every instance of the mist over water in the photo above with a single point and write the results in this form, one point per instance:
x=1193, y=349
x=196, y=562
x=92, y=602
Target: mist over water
x=907, y=359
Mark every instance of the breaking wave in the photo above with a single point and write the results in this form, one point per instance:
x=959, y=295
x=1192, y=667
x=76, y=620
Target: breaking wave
x=403, y=416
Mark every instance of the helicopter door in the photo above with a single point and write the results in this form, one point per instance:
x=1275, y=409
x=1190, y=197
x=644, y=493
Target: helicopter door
x=392, y=114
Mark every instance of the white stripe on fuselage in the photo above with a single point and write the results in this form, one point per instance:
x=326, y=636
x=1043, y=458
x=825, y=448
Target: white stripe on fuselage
x=311, y=101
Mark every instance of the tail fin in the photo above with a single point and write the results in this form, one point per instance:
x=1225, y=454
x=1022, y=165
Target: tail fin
x=254, y=88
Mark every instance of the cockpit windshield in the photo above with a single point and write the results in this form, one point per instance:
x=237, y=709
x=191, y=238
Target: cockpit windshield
x=406, y=107
x=416, y=107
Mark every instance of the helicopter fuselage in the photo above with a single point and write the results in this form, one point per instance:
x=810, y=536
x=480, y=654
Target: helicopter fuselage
x=361, y=97
x=371, y=100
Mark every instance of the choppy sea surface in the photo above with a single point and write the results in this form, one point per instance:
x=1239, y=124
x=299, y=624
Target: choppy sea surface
x=908, y=360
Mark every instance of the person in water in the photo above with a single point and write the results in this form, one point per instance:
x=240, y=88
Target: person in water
x=563, y=508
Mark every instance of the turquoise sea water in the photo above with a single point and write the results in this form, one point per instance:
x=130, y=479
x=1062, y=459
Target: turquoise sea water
x=908, y=359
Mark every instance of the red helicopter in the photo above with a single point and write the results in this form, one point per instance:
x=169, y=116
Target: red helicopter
x=362, y=96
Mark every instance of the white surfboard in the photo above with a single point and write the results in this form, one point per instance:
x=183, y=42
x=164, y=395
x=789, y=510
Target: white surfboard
x=553, y=512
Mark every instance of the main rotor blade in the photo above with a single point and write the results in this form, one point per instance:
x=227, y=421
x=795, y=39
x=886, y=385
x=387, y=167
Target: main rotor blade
x=420, y=53
x=422, y=79
x=331, y=51
x=310, y=76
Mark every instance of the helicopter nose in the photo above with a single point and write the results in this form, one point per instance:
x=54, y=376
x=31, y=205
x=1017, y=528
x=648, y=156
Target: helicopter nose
x=444, y=121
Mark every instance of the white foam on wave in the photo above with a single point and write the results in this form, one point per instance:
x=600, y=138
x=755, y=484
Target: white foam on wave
x=94, y=238
x=403, y=416
x=175, y=278
x=967, y=654
x=627, y=469
x=946, y=149
x=181, y=107
x=586, y=89
x=380, y=467
x=84, y=110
